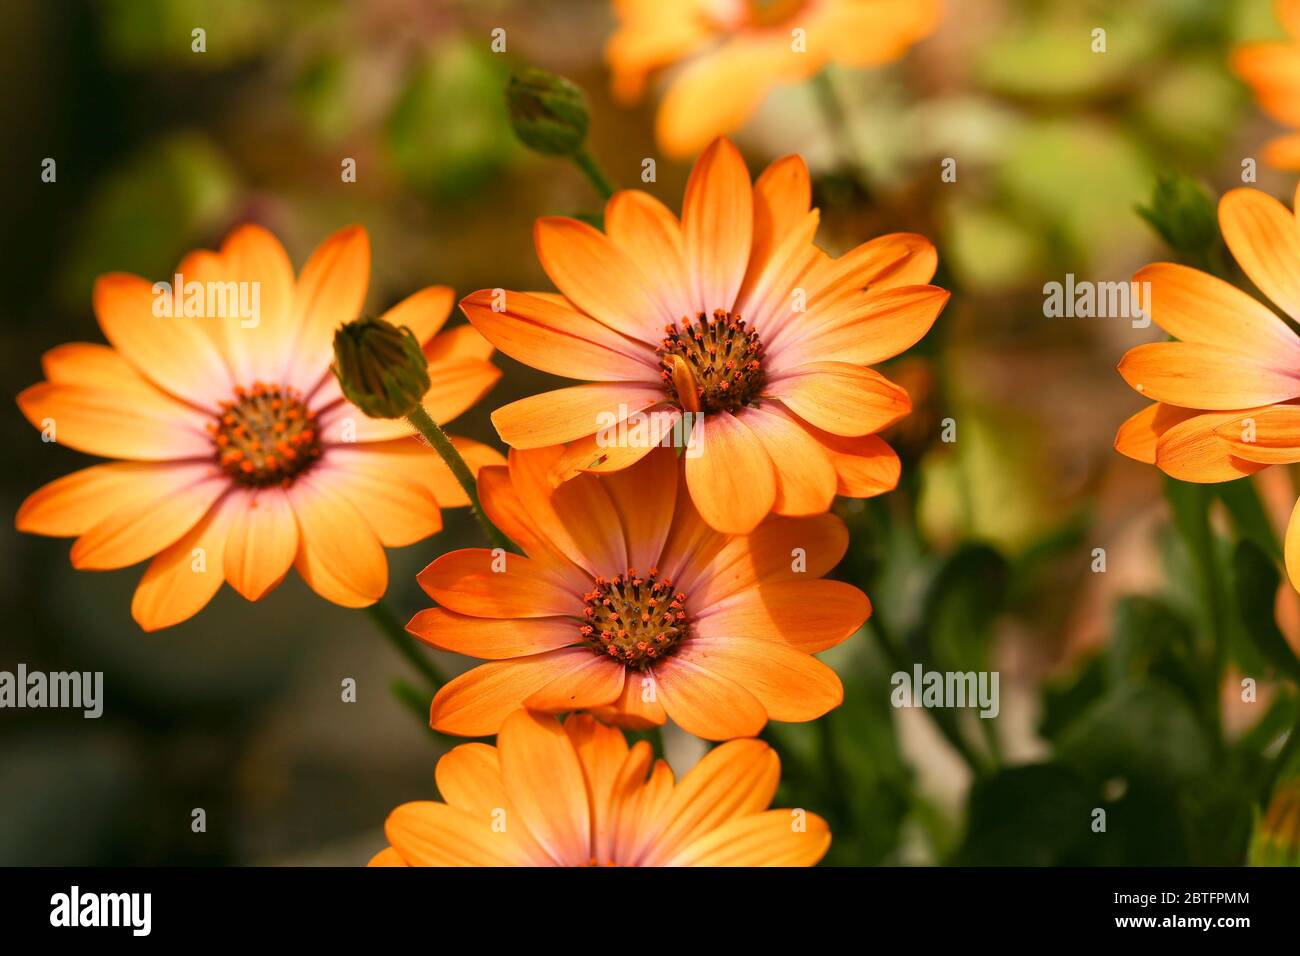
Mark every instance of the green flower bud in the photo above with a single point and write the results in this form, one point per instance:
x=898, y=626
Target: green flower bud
x=380, y=367
x=1276, y=841
x=548, y=113
x=1183, y=211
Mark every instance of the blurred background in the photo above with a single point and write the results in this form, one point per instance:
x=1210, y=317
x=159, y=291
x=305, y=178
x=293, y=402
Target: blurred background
x=983, y=558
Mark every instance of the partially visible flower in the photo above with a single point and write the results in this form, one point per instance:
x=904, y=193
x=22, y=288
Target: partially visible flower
x=738, y=50
x=237, y=455
x=380, y=368
x=1225, y=393
x=1272, y=70
x=547, y=112
x=1276, y=841
x=577, y=795
x=629, y=606
x=733, y=315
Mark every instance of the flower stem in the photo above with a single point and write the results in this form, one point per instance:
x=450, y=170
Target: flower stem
x=837, y=120
x=403, y=643
x=591, y=169
x=979, y=766
x=443, y=446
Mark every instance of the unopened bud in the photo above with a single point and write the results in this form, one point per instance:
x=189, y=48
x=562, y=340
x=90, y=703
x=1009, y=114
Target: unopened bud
x=548, y=113
x=380, y=367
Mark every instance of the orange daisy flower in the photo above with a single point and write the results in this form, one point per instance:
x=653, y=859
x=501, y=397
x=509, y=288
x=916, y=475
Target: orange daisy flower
x=740, y=49
x=628, y=605
x=1272, y=70
x=733, y=315
x=237, y=454
x=577, y=795
x=1226, y=392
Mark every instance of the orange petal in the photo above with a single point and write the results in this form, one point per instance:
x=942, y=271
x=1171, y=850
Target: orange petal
x=456, y=344
x=597, y=683
x=1264, y=239
x=865, y=466
x=553, y=418
x=1283, y=152
x=791, y=685
x=149, y=525
x=869, y=34
x=492, y=638
x=805, y=477
x=424, y=312
x=259, y=347
x=691, y=543
x=886, y=262
x=1269, y=436
x=339, y=556
x=1196, y=307
x=1292, y=547
x=782, y=198
x=177, y=353
x=397, y=505
x=387, y=857
x=772, y=838
x=645, y=496
x=72, y=505
x=559, y=339
x=576, y=519
x=603, y=753
x=1138, y=436
x=262, y=543
x=1190, y=451
x=707, y=704
x=840, y=398
x=717, y=222
x=475, y=703
x=780, y=549
x=597, y=453
x=469, y=779
x=181, y=580
x=1203, y=376
x=731, y=477
x=647, y=231
x=330, y=292
x=808, y=615
x=481, y=583
x=716, y=93
x=140, y=425
x=870, y=327
x=425, y=833
x=544, y=780
x=730, y=782
x=600, y=279
x=637, y=707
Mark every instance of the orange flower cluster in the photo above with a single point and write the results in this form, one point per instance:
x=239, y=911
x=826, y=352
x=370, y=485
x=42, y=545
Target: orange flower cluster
x=670, y=513
x=1225, y=391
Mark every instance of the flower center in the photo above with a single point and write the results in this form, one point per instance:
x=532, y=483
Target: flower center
x=724, y=360
x=635, y=620
x=266, y=436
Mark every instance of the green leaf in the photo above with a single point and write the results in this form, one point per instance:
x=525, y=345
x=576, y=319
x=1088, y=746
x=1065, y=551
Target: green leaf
x=1255, y=579
x=1142, y=731
x=1241, y=498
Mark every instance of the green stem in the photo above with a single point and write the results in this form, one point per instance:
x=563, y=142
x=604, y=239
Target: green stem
x=1283, y=758
x=837, y=119
x=583, y=160
x=443, y=446
x=942, y=719
x=403, y=643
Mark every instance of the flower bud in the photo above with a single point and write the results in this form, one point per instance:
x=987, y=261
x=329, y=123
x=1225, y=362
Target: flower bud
x=380, y=367
x=548, y=113
x=1183, y=211
x=1276, y=841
